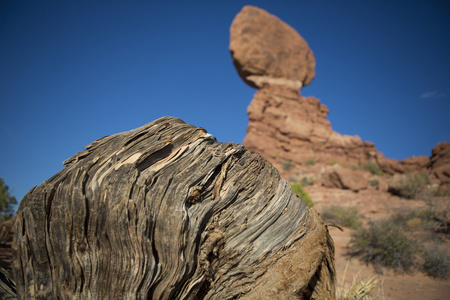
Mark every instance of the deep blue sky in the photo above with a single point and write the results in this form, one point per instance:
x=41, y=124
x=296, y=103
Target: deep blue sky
x=74, y=71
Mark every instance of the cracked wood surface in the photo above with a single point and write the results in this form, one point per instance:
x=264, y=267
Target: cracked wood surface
x=167, y=212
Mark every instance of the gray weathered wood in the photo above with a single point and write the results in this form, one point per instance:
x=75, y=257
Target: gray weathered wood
x=167, y=212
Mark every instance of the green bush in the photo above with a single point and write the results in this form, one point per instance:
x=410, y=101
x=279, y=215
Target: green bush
x=412, y=185
x=440, y=192
x=374, y=181
x=311, y=161
x=287, y=164
x=436, y=261
x=414, y=219
x=297, y=188
x=387, y=243
x=306, y=180
x=384, y=244
x=7, y=202
x=345, y=216
x=373, y=168
x=332, y=163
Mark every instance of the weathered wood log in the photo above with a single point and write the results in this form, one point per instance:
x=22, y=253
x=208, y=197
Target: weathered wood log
x=167, y=212
x=7, y=285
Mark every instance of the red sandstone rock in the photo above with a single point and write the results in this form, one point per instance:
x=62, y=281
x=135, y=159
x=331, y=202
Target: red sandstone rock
x=339, y=177
x=440, y=162
x=390, y=166
x=415, y=163
x=283, y=125
x=411, y=164
x=267, y=50
x=286, y=128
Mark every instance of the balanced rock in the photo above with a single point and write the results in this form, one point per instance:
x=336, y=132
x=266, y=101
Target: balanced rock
x=283, y=125
x=167, y=212
x=267, y=50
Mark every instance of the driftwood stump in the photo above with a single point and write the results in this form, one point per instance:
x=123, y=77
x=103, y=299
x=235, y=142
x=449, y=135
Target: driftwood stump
x=167, y=212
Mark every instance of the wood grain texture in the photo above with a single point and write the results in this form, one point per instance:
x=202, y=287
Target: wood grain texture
x=167, y=212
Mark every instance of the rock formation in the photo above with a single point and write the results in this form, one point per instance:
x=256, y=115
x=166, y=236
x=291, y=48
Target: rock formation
x=266, y=50
x=283, y=125
x=411, y=164
x=167, y=212
x=440, y=163
x=339, y=177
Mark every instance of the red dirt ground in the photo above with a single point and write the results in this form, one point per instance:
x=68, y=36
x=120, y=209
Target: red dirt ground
x=376, y=205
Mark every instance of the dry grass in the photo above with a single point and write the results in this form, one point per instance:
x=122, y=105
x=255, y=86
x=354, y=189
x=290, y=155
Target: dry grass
x=359, y=288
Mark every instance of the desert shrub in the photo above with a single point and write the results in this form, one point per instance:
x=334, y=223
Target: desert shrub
x=287, y=164
x=373, y=168
x=413, y=219
x=412, y=185
x=311, y=161
x=436, y=261
x=440, y=192
x=307, y=180
x=409, y=237
x=414, y=223
x=374, y=181
x=383, y=243
x=427, y=223
x=345, y=216
x=298, y=189
x=332, y=163
x=439, y=214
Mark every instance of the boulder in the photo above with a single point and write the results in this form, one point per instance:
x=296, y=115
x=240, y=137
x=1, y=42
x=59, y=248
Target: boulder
x=440, y=162
x=390, y=166
x=407, y=165
x=339, y=177
x=265, y=50
x=167, y=212
x=415, y=163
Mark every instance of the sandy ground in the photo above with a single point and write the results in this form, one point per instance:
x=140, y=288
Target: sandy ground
x=414, y=286
x=376, y=205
